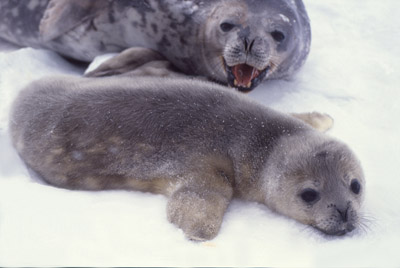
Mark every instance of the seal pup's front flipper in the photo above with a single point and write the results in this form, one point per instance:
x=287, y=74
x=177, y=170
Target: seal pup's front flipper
x=319, y=121
x=62, y=16
x=198, y=207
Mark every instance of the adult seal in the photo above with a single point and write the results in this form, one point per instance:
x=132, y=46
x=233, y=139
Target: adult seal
x=238, y=42
x=196, y=142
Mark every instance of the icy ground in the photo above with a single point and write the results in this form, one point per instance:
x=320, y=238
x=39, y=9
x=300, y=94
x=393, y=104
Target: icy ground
x=352, y=74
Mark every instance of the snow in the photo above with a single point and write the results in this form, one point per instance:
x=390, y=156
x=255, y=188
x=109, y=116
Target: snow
x=351, y=73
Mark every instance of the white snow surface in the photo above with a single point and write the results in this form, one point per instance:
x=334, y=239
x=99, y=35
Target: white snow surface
x=351, y=73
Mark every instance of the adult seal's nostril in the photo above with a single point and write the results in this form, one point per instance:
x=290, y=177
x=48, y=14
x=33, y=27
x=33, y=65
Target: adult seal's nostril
x=248, y=44
x=251, y=45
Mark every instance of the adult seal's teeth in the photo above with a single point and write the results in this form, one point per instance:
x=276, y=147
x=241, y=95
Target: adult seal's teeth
x=235, y=82
x=248, y=84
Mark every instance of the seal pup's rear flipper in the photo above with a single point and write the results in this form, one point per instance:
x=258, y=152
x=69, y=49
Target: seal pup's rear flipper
x=64, y=15
x=319, y=121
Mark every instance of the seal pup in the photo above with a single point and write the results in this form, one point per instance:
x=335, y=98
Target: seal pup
x=196, y=142
x=235, y=42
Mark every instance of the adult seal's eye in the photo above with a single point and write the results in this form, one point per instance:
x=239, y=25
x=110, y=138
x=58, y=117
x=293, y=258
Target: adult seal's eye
x=309, y=196
x=226, y=26
x=355, y=186
x=278, y=36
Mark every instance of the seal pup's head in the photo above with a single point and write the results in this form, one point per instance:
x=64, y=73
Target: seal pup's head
x=317, y=181
x=254, y=40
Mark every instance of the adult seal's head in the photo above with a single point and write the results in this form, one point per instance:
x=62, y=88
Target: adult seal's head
x=239, y=42
x=246, y=42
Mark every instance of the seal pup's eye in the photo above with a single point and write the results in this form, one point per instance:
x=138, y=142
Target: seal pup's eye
x=355, y=186
x=278, y=36
x=309, y=196
x=226, y=26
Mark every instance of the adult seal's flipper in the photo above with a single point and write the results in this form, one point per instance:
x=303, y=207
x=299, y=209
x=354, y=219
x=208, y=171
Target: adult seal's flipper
x=127, y=61
x=64, y=15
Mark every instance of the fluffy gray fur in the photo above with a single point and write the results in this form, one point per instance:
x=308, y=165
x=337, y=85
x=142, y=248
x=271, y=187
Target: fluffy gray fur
x=198, y=143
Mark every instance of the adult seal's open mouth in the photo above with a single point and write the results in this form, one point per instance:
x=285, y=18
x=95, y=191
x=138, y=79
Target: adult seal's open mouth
x=244, y=77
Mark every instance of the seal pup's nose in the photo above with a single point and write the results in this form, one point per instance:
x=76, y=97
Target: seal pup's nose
x=343, y=214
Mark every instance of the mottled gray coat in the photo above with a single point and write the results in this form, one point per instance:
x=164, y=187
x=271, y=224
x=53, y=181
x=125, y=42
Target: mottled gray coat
x=201, y=37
